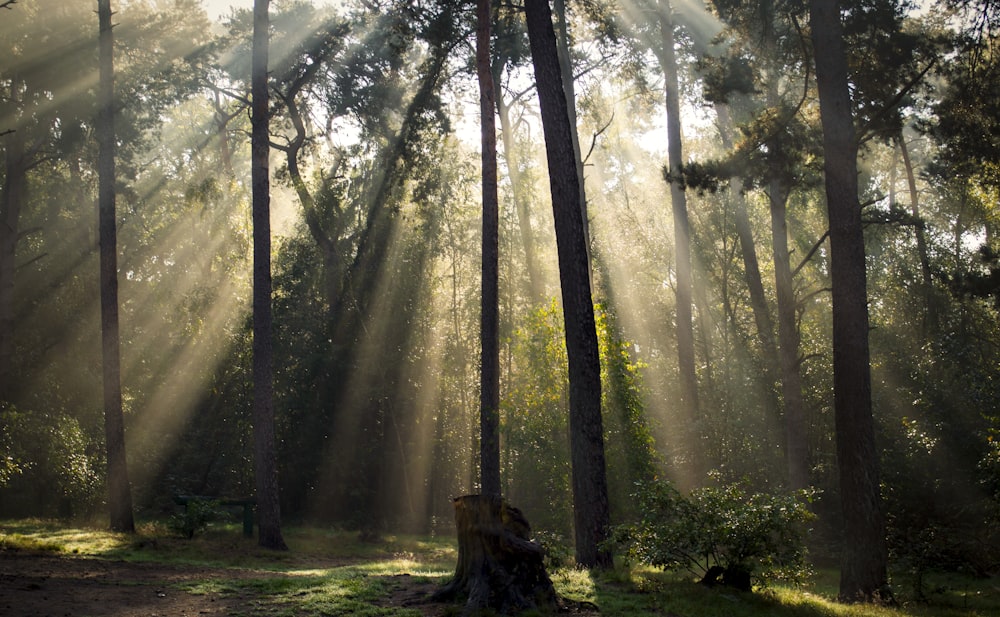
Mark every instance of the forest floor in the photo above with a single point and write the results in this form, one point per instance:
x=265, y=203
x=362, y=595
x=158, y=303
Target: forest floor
x=36, y=584
x=54, y=569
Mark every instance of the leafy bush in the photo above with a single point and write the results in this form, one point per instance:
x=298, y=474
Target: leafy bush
x=195, y=517
x=744, y=538
x=48, y=464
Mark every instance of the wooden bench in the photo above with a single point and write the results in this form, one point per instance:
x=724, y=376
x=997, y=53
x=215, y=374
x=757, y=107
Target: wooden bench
x=248, y=504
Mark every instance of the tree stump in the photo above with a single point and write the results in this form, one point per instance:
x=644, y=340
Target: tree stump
x=499, y=567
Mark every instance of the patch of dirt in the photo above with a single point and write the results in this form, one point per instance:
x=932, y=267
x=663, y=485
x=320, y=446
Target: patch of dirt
x=38, y=584
x=48, y=585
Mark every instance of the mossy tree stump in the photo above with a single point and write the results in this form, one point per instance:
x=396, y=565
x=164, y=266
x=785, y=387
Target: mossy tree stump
x=499, y=567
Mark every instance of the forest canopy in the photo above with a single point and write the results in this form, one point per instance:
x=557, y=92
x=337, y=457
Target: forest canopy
x=376, y=227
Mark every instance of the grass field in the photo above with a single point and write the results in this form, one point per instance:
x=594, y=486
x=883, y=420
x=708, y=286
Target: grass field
x=332, y=572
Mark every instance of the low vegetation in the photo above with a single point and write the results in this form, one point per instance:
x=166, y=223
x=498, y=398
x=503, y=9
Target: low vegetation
x=333, y=572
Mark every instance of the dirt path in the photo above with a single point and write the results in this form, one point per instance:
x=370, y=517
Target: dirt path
x=33, y=584
x=47, y=585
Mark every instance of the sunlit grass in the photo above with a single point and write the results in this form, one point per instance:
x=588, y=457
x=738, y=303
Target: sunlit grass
x=333, y=572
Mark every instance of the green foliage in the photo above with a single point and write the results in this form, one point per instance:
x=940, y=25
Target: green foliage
x=534, y=423
x=757, y=535
x=196, y=516
x=48, y=458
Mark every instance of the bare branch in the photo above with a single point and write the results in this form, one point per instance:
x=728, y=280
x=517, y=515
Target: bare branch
x=812, y=251
x=8, y=4
x=593, y=140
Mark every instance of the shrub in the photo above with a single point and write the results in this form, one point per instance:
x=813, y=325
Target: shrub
x=719, y=532
x=195, y=517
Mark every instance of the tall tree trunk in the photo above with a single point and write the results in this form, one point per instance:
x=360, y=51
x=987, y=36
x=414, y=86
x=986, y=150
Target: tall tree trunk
x=265, y=457
x=796, y=451
x=489, y=382
x=930, y=316
x=751, y=265
x=590, y=488
x=863, y=575
x=535, y=287
x=796, y=446
x=119, y=492
x=15, y=182
x=682, y=240
x=561, y=26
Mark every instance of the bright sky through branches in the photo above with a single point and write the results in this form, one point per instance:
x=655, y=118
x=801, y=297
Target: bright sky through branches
x=220, y=8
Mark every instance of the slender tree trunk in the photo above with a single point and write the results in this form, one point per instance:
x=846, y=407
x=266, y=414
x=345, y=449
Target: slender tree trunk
x=265, y=458
x=930, y=316
x=535, y=287
x=863, y=574
x=590, y=487
x=15, y=183
x=119, y=492
x=748, y=250
x=796, y=450
x=489, y=383
x=682, y=241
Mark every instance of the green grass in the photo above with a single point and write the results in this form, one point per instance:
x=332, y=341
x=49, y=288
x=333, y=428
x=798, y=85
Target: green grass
x=331, y=572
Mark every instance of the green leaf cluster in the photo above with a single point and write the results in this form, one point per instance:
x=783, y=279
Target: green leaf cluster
x=717, y=529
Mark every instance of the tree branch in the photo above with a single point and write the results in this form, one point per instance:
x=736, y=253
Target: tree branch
x=8, y=4
x=593, y=140
x=812, y=251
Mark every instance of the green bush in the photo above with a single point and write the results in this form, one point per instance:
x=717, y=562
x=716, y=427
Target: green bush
x=716, y=533
x=195, y=517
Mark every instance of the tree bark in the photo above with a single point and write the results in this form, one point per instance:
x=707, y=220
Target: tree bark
x=590, y=488
x=682, y=241
x=265, y=458
x=796, y=451
x=535, y=287
x=15, y=182
x=561, y=27
x=119, y=492
x=751, y=264
x=863, y=574
x=489, y=382
x=930, y=315
x=499, y=567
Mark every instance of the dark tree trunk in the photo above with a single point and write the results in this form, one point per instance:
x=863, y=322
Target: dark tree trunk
x=590, y=487
x=682, y=241
x=863, y=574
x=15, y=183
x=489, y=376
x=265, y=458
x=499, y=567
x=561, y=27
x=119, y=492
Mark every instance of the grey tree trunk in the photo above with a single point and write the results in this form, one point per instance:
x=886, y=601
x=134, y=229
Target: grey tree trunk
x=682, y=241
x=863, y=576
x=535, y=286
x=590, y=488
x=119, y=491
x=751, y=264
x=930, y=315
x=265, y=458
x=489, y=376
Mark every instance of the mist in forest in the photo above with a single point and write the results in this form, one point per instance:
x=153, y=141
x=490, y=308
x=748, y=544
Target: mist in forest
x=376, y=260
